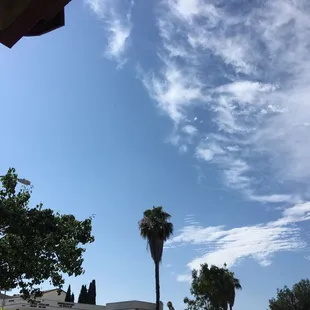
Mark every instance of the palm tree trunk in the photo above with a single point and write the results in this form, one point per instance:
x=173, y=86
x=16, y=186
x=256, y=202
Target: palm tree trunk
x=157, y=286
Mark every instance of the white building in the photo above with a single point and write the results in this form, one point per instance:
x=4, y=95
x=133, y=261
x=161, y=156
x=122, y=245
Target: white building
x=50, y=300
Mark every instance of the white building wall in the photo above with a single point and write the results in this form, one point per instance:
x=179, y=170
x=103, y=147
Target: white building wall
x=45, y=304
x=131, y=305
x=42, y=303
x=53, y=295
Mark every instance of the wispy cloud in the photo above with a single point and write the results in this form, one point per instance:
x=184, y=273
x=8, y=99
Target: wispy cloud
x=204, y=153
x=117, y=24
x=235, y=84
x=246, y=70
x=119, y=33
x=190, y=129
x=277, y=198
x=259, y=242
x=174, y=91
x=184, y=277
x=250, y=71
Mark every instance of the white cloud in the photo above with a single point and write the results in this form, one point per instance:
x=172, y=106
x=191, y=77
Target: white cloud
x=209, y=150
x=233, y=148
x=298, y=213
x=118, y=27
x=174, y=91
x=250, y=71
x=190, y=129
x=259, y=242
x=205, y=154
x=99, y=7
x=188, y=9
x=274, y=198
x=245, y=91
x=184, y=277
x=197, y=234
x=246, y=75
x=119, y=33
x=236, y=174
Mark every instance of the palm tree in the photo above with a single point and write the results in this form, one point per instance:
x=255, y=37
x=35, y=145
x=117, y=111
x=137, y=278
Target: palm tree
x=231, y=284
x=170, y=305
x=156, y=229
x=234, y=285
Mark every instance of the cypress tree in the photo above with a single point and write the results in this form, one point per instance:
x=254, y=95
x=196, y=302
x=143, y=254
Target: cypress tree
x=94, y=292
x=68, y=294
x=72, y=297
x=83, y=295
x=80, y=299
x=89, y=294
x=91, y=298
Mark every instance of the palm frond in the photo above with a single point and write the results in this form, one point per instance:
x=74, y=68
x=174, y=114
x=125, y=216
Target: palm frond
x=156, y=228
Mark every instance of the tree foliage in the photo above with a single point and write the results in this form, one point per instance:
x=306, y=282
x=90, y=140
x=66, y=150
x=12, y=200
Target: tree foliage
x=156, y=228
x=212, y=289
x=297, y=298
x=37, y=244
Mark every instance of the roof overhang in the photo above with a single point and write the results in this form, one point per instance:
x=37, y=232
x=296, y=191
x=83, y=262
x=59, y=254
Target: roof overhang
x=19, y=18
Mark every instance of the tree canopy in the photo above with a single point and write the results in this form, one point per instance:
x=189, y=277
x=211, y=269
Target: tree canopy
x=297, y=298
x=37, y=244
x=212, y=289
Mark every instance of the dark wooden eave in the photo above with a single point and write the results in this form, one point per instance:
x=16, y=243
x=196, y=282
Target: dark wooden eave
x=19, y=18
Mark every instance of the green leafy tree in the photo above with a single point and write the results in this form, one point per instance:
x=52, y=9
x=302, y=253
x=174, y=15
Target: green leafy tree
x=297, y=298
x=83, y=297
x=68, y=294
x=37, y=244
x=91, y=299
x=156, y=228
x=212, y=289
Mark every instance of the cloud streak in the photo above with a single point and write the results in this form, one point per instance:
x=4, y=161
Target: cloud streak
x=259, y=242
x=235, y=84
x=117, y=24
x=249, y=71
x=246, y=70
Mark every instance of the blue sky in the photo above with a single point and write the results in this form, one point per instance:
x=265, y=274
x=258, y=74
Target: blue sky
x=199, y=106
